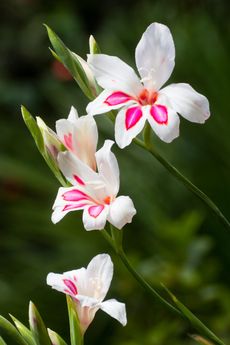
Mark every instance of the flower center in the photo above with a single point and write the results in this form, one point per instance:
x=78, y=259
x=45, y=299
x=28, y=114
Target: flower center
x=147, y=97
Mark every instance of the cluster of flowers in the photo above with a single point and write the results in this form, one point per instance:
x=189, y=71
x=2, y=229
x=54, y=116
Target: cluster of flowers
x=94, y=175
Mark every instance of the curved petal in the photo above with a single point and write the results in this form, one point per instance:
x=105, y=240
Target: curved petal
x=99, y=274
x=55, y=280
x=155, y=55
x=67, y=200
x=186, y=101
x=108, y=167
x=75, y=171
x=95, y=219
x=121, y=211
x=115, y=309
x=128, y=126
x=114, y=74
x=166, y=131
x=100, y=106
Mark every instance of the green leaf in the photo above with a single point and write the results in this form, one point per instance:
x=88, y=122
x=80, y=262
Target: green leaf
x=6, y=328
x=38, y=327
x=71, y=62
x=197, y=324
x=76, y=335
x=24, y=331
x=55, y=338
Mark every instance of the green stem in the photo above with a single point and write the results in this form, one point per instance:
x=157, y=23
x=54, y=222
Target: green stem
x=115, y=240
x=201, y=195
x=117, y=247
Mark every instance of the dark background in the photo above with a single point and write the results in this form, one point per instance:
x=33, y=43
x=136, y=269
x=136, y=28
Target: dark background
x=174, y=238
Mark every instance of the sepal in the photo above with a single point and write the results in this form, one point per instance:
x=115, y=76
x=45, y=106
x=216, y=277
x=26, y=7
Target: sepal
x=38, y=327
x=76, y=66
x=76, y=333
x=7, y=329
x=55, y=338
x=40, y=143
x=24, y=331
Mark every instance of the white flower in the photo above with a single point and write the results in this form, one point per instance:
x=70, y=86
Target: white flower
x=93, y=192
x=79, y=135
x=142, y=100
x=88, y=288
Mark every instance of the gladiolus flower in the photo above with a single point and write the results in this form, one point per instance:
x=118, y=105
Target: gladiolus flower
x=144, y=99
x=93, y=192
x=88, y=288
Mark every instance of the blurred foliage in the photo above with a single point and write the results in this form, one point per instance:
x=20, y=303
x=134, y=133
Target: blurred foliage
x=174, y=239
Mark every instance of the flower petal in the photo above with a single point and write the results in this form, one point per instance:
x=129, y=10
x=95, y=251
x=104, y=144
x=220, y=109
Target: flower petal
x=114, y=74
x=115, y=309
x=80, y=136
x=127, y=129
x=155, y=55
x=67, y=200
x=166, y=131
x=99, y=274
x=187, y=102
x=100, y=104
x=75, y=170
x=95, y=220
x=121, y=211
x=108, y=167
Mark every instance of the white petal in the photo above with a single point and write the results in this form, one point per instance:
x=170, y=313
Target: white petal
x=98, y=105
x=123, y=136
x=73, y=115
x=94, y=223
x=108, y=167
x=99, y=274
x=61, y=206
x=121, y=211
x=166, y=132
x=55, y=280
x=187, y=102
x=71, y=166
x=115, y=309
x=114, y=74
x=155, y=54
x=85, y=137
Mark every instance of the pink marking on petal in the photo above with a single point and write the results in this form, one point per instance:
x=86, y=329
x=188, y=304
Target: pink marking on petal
x=68, y=141
x=117, y=98
x=159, y=113
x=132, y=116
x=71, y=286
x=79, y=180
x=73, y=207
x=94, y=211
x=75, y=195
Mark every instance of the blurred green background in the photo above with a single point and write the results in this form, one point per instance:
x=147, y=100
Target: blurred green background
x=174, y=238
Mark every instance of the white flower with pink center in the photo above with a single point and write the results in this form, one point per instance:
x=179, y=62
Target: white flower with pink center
x=93, y=192
x=88, y=288
x=142, y=100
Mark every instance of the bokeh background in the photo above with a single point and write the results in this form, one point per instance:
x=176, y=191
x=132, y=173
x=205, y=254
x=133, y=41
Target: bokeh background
x=174, y=238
